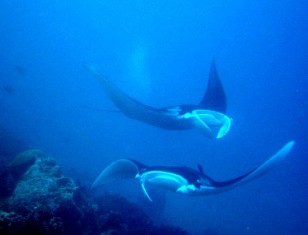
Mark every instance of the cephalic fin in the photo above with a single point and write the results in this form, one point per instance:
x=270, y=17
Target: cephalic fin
x=145, y=192
x=209, y=122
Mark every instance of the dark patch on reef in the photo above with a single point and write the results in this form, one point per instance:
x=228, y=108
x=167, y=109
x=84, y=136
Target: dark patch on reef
x=43, y=201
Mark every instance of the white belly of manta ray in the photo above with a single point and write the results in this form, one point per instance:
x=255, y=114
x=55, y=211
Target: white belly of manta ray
x=172, y=182
x=165, y=180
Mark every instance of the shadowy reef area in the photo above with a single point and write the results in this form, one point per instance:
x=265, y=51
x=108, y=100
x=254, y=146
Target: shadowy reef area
x=39, y=199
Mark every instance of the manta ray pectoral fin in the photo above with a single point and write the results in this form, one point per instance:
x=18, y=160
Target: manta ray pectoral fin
x=211, y=123
x=268, y=165
x=118, y=170
x=125, y=103
x=214, y=97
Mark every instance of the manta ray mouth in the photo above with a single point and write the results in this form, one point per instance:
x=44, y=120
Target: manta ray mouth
x=210, y=123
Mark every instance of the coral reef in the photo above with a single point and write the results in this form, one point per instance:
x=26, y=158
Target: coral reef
x=43, y=201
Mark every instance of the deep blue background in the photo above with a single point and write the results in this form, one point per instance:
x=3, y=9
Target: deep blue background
x=160, y=53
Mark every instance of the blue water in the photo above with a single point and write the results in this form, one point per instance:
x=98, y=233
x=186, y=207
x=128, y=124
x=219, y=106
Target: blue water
x=160, y=53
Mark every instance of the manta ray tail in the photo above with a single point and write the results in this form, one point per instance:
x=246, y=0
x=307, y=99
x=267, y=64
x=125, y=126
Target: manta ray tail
x=118, y=170
x=214, y=97
x=260, y=170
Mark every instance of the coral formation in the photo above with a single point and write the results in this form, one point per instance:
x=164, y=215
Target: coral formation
x=43, y=201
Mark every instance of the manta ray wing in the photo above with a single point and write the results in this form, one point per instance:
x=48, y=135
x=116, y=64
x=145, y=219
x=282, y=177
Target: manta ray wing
x=118, y=170
x=214, y=97
x=268, y=165
x=128, y=105
x=135, y=109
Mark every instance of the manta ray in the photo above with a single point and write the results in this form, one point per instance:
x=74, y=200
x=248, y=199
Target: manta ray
x=183, y=180
x=208, y=116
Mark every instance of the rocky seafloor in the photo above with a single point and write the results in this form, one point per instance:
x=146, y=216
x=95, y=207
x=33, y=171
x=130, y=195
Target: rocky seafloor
x=36, y=198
